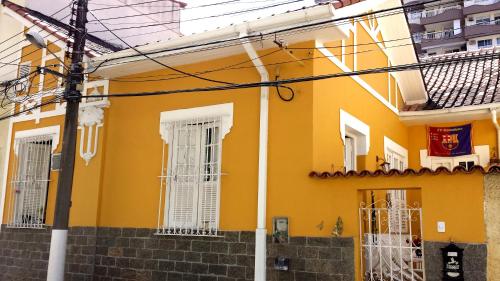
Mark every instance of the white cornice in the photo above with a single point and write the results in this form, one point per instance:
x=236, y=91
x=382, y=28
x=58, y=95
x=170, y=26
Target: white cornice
x=466, y=113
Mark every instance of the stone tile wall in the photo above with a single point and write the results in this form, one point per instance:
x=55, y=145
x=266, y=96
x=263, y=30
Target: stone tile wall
x=474, y=262
x=24, y=254
x=138, y=254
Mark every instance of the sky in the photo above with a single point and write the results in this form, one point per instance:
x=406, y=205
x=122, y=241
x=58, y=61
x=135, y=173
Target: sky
x=244, y=10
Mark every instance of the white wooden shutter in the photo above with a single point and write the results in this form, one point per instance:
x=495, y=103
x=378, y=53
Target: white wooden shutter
x=193, y=177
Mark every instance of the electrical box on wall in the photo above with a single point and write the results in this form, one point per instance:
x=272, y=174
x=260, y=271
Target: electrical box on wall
x=280, y=230
x=55, y=162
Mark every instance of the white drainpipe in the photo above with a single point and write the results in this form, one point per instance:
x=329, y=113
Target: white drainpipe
x=260, y=233
x=497, y=126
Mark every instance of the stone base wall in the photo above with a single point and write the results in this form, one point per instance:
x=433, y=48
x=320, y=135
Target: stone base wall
x=474, y=261
x=24, y=254
x=138, y=254
x=492, y=218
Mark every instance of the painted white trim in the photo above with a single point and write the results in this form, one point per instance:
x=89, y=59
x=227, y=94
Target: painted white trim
x=473, y=112
x=481, y=154
x=355, y=48
x=219, y=110
x=57, y=256
x=54, y=131
x=5, y=171
x=390, y=145
x=358, y=79
x=352, y=126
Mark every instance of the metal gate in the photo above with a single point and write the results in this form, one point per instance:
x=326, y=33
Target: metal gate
x=391, y=241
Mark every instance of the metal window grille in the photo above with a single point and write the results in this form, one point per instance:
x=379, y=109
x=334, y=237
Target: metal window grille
x=24, y=69
x=387, y=251
x=190, y=183
x=30, y=179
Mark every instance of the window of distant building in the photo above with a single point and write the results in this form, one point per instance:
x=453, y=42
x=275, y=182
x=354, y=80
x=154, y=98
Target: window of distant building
x=486, y=43
x=483, y=20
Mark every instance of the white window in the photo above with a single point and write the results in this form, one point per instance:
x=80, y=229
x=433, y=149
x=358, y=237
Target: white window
x=486, y=43
x=395, y=155
x=31, y=176
x=350, y=154
x=483, y=20
x=356, y=138
x=498, y=41
x=192, y=169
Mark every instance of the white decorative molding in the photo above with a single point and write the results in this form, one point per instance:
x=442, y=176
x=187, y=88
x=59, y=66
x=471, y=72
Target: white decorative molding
x=353, y=126
x=89, y=120
x=225, y=111
x=53, y=131
x=481, y=156
x=390, y=145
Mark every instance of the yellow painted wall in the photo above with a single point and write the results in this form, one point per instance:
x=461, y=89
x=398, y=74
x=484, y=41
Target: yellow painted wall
x=483, y=133
x=120, y=187
x=345, y=93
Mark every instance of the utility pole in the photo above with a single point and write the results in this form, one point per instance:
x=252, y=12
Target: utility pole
x=72, y=95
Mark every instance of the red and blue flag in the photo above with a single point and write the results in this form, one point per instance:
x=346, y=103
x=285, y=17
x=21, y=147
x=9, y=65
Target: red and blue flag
x=449, y=141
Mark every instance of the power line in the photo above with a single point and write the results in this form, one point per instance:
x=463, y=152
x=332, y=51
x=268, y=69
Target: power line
x=230, y=13
x=404, y=67
x=231, y=67
x=21, y=32
x=155, y=1
x=156, y=61
x=237, y=41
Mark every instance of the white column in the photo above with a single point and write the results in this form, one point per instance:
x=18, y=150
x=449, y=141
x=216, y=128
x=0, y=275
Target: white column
x=57, y=255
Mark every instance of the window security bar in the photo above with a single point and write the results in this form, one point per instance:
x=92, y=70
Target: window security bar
x=190, y=180
x=29, y=182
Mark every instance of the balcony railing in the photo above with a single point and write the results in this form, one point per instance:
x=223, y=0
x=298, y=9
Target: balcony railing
x=435, y=12
x=468, y=3
x=414, y=17
x=445, y=34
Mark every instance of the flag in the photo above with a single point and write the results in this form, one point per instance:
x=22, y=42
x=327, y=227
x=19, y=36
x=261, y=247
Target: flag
x=449, y=141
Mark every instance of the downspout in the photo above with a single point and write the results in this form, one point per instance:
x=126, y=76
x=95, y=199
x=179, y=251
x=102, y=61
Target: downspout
x=497, y=126
x=260, y=233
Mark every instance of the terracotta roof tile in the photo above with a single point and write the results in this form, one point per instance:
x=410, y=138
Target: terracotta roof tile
x=394, y=172
x=464, y=83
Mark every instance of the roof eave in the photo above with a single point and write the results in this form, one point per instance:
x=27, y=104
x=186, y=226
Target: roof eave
x=456, y=114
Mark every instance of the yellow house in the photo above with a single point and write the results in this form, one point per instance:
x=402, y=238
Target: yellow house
x=211, y=170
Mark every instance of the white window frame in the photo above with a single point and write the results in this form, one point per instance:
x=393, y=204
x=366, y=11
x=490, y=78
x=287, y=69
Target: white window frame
x=223, y=114
x=52, y=133
x=392, y=148
x=480, y=157
x=354, y=153
x=356, y=129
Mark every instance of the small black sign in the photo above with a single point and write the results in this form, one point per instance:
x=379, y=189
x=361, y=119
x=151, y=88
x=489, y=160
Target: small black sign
x=453, y=263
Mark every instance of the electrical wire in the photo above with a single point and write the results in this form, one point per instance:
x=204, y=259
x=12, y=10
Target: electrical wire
x=158, y=62
x=404, y=67
x=236, y=41
x=21, y=32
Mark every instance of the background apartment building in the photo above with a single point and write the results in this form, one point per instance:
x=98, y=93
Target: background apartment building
x=453, y=26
